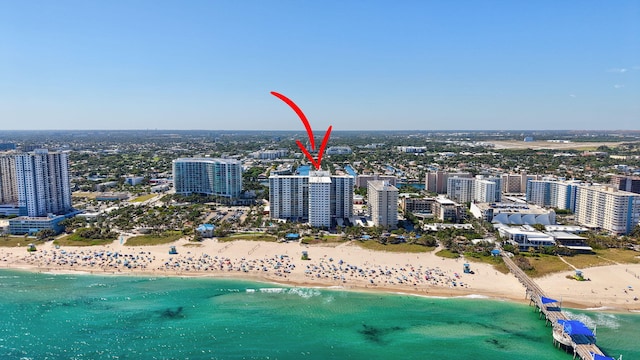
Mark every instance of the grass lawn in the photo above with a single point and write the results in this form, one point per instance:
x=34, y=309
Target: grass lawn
x=545, y=264
x=249, y=236
x=165, y=238
x=402, y=247
x=323, y=239
x=604, y=257
x=15, y=241
x=87, y=195
x=143, y=198
x=496, y=261
x=77, y=240
x=447, y=254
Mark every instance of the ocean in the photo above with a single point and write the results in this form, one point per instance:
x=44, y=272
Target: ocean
x=47, y=316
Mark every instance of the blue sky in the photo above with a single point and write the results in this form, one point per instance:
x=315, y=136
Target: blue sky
x=378, y=65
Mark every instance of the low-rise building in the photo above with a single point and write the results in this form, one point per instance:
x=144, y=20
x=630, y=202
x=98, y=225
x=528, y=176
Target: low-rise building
x=526, y=237
x=417, y=205
x=32, y=225
x=447, y=210
x=133, y=180
x=206, y=230
x=513, y=213
x=572, y=242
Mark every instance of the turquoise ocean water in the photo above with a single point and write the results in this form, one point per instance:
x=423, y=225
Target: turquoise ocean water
x=44, y=316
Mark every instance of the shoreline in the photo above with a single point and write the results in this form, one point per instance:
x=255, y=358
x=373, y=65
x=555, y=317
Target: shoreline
x=345, y=267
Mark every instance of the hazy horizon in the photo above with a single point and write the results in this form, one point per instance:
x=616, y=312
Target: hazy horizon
x=357, y=66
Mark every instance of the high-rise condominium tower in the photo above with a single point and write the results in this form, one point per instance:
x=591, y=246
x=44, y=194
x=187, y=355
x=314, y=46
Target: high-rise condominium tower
x=43, y=183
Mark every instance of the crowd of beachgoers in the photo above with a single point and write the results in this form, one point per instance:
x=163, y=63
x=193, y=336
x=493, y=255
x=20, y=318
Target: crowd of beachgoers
x=346, y=266
x=325, y=269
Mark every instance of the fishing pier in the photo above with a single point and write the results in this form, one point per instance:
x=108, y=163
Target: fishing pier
x=571, y=335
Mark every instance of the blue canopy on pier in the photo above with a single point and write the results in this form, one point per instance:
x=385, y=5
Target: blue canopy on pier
x=601, y=357
x=546, y=300
x=575, y=327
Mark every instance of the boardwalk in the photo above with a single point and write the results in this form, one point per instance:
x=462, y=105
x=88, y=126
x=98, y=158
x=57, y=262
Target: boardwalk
x=552, y=314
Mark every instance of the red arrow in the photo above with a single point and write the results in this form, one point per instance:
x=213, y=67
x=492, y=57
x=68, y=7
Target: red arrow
x=314, y=162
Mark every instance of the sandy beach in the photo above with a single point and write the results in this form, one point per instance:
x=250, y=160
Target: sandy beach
x=345, y=266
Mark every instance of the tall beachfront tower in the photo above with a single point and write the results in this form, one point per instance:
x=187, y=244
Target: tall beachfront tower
x=8, y=183
x=43, y=183
x=383, y=203
x=208, y=176
x=342, y=196
x=317, y=198
x=606, y=208
x=460, y=189
x=487, y=189
x=289, y=197
x=553, y=193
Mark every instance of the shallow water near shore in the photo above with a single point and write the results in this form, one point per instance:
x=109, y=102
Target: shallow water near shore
x=73, y=316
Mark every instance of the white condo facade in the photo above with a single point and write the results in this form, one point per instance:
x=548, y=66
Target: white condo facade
x=208, y=176
x=383, y=203
x=460, y=189
x=606, y=208
x=42, y=180
x=558, y=194
x=317, y=198
x=487, y=190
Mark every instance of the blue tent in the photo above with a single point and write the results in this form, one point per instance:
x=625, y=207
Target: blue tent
x=601, y=357
x=546, y=300
x=575, y=327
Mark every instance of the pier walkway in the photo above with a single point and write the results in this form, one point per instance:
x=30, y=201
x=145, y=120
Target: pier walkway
x=551, y=313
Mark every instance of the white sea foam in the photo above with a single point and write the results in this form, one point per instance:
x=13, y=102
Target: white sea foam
x=599, y=319
x=473, y=296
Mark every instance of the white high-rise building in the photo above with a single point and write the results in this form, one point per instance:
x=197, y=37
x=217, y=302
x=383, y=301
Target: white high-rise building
x=383, y=203
x=208, y=176
x=487, y=190
x=606, y=208
x=553, y=193
x=43, y=183
x=8, y=183
x=318, y=198
x=460, y=189
x=342, y=196
x=289, y=197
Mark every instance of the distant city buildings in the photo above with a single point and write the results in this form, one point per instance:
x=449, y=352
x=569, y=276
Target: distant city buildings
x=208, y=176
x=43, y=183
x=133, y=180
x=383, y=203
x=517, y=183
x=362, y=180
x=317, y=198
x=412, y=149
x=270, y=154
x=338, y=150
x=437, y=181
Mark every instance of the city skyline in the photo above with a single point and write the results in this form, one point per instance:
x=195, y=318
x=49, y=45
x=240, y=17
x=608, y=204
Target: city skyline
x=356, y=66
